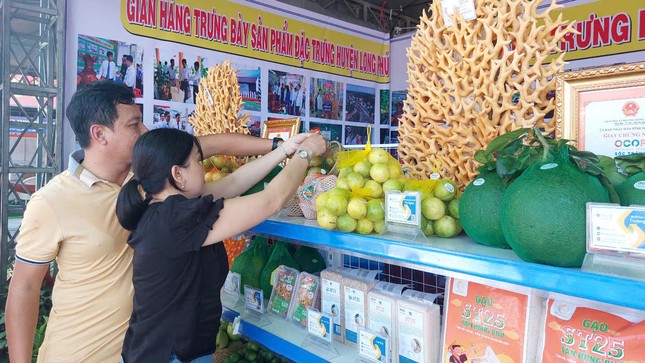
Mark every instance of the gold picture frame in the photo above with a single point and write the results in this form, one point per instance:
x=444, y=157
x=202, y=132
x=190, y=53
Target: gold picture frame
x=602, y=109
x=284, y=128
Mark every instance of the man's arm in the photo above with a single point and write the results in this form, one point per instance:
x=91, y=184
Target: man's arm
x=22, y=309
x=235, y=145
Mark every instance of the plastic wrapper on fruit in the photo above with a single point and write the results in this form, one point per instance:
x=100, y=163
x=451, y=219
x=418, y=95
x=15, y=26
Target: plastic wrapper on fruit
x=310, y=189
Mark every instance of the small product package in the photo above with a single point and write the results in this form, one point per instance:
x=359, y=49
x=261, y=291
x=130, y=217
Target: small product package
x=284, y=283
x=490, y=321
x=382, y=312
x=357, y=284
x=576, y=331
x=306, y=296
x=418, y=327
x=331, y=300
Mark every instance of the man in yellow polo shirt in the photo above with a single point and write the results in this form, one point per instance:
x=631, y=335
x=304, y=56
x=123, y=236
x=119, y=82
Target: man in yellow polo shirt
x=72, y=220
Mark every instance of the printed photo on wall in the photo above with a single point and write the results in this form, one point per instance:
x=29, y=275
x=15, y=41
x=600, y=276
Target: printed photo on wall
x=166, y=81
x=191, y=70
x=394, y=139
x=360, y=104
x=329, y=131
x=100, y=58
x=326, y=99
x=174, y=117
x=384, y=103
x=355, y=135
x=255, y=126
x=249, y=81
x=286, y=93
x=397, y=106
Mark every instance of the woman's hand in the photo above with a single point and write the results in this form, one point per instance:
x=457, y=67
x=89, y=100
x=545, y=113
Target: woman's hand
x=314, y=144
x=291, y=145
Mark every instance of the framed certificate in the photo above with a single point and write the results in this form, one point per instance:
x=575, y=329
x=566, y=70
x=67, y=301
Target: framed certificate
x=603, y=109
x=283, y=129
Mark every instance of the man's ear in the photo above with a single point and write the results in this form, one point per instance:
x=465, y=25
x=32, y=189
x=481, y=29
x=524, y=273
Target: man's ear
x=97, y=134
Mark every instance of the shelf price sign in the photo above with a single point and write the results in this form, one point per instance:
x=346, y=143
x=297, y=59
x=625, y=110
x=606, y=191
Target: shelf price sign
x=485, y=323
x=577, y=334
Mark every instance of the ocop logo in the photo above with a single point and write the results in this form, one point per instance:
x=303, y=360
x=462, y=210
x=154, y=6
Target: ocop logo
x=629, y=143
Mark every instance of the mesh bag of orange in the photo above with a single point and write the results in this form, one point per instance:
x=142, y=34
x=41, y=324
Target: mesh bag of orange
x=234, y=246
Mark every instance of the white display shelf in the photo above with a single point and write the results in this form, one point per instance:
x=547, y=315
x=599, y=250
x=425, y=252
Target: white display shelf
x=286, y=339
x=460, y=255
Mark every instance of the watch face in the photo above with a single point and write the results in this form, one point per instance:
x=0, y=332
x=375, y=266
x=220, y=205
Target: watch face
x=303, y=154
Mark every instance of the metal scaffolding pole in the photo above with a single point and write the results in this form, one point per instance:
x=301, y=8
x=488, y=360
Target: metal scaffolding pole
x=31, y=90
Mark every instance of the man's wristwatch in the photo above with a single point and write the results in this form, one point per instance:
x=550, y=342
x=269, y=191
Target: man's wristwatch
x=303, y=154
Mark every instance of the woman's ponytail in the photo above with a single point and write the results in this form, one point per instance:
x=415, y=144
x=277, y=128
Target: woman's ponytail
x=130, y=205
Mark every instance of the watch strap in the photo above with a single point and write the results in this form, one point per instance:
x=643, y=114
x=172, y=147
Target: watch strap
x=276, y=142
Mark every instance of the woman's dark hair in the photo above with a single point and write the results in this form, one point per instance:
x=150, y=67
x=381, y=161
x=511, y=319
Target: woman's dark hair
x=154, y=155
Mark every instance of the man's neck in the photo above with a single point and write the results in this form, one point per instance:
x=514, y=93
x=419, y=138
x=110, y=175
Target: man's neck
x=104, y=167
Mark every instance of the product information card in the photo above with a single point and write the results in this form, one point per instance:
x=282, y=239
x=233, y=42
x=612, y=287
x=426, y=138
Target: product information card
x=372, y=347
x=403, y=208
x=616, y=229
x=484, y=324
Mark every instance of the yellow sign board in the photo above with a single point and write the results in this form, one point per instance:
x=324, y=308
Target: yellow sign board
x=230, y=27
x=605, y=27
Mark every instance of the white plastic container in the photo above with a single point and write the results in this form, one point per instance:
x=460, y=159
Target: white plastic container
x=357, y=285
x=382, y=313
x=418, y=328
x=331, y=299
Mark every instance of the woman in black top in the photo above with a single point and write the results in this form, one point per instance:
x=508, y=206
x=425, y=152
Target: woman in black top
x=179, y=264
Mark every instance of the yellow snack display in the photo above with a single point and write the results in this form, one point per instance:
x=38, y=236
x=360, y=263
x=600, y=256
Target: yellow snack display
x=477, y=79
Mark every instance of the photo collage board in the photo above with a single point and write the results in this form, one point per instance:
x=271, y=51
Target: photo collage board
x=166, y=82
x=165, y=73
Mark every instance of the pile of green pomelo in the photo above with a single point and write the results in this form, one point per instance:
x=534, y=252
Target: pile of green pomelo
x=356, y=204
x=531, y=195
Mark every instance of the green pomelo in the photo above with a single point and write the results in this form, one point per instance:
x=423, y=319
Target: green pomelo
x=544, y=213
x=376, y=191
x=355, y=180
x=453, y=208
x=344, y=172
x=364, y=226
x=445, y=189
x=380, y=172
x=377, y=156
x=341, y=183
x=326, y=219
x=321, y=200
x=433, y=208
x=346, y=223
x=446, y=227
x=378, y=225
x=336, y=204
x=632, y=190
x=395, y=169
x=426, y=226
x=339, y=191
x=363, y=168
x=357, y=208
x=479, y=210
x=375, y=211
x=392, y=184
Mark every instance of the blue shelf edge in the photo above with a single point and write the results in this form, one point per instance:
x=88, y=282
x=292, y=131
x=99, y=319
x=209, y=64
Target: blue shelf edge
x=568, y=281
x=273, y=342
